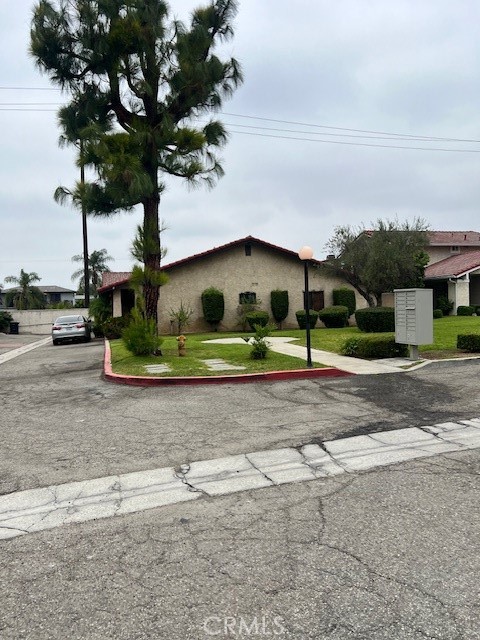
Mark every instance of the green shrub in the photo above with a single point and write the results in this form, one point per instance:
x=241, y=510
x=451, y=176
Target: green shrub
x=345, y=298
x=113, y=327
x=334, y=317
x=375, y=319
x=101, y=309
x=5, y=319
x=444, y=304
x=469, y=342
x=477, y=311
x=437, y=313
x=254, y=318
x=98, y=331
x=279, y=304
x=260, y=346
x=302, y=320
x=140, y=336
x=374, y=347
x=213, y=305
x=464, y=310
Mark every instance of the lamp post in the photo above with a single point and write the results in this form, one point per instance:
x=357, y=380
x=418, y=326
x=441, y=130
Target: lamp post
x=306, y=254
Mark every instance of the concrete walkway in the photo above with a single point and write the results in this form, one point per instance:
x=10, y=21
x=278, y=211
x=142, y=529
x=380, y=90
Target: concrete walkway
x=352, y=365
x=35, y=510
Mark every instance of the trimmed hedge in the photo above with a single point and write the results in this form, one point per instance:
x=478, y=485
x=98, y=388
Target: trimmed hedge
x=345, y=298
x=334, y=317
x=376, y=319
x=469, y=342
x=374, y=347
x=301, y=318
x=437, y=313
x=113, y=327
x=213, y=305
x=279, y=304
x=260, y=318
x=464, y=310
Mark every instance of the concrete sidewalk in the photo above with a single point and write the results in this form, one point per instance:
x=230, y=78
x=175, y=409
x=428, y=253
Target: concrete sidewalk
x=36, y=510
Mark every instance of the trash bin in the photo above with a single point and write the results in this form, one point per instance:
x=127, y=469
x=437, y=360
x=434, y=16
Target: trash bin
x=14, y=327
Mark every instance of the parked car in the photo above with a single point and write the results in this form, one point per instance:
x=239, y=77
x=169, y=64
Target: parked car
x=71, y=328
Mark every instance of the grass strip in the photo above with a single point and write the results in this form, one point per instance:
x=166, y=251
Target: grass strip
x=123, y=362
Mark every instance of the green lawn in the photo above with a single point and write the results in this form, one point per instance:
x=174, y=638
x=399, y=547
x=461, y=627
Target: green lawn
x=124, y=362
x=445, y=335
x=445, y=331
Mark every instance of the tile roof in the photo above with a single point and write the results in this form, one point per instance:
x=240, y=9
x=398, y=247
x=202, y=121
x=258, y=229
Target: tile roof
x=455, y=238
x=43, y=289
x=114, y=279
x=454, y=266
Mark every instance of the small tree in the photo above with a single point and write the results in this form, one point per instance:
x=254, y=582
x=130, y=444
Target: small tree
x=389, y=256
x=213, y=305
x=279, y=305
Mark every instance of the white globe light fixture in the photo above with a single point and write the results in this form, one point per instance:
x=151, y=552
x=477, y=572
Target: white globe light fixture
x=306, y=254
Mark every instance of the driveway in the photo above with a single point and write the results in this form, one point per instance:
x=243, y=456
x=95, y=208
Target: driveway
x=61, y=422
x=392, y=553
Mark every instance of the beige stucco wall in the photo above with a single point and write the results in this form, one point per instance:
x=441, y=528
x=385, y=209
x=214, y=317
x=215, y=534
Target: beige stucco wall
x=440, y=253
x=459, y=294
x=233, y=272
x=39, y=321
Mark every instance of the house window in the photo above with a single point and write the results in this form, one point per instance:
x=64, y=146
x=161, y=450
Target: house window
x=248, y=297
x=316, y=300
x=454, y=249
x=248, y=249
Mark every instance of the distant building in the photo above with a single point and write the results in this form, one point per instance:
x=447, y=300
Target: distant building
x=52, y=294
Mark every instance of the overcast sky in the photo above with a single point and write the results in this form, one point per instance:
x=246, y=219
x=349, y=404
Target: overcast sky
x=341, y=68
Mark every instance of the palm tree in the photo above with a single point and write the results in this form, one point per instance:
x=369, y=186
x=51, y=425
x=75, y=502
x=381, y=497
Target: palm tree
x=27, y=296
x=97, y=264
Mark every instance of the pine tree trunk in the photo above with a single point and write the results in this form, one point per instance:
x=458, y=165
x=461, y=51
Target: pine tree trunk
x=152, y=259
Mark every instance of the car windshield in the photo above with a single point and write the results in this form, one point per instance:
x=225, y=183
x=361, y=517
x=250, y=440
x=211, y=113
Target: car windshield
x=69, y=319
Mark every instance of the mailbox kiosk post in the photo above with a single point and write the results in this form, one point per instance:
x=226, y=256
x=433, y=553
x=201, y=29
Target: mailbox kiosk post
x=413, y=318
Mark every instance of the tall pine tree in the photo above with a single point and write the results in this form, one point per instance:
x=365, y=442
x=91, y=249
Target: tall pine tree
x=138, y=82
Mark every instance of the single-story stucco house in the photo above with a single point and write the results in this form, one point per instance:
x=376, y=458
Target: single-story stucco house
x=245, y=269
x=454, y=267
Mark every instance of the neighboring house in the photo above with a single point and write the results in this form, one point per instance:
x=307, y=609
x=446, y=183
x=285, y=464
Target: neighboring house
x=52, y=294
x=247, y=269
x=454, y=267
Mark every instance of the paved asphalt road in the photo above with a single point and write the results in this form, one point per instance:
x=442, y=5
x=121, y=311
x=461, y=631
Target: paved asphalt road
x=393, y=553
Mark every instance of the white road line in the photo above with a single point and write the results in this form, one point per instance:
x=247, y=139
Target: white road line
x=14, y=353
x=45, y=508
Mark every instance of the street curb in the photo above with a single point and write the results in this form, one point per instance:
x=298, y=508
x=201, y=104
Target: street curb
x=266, y=376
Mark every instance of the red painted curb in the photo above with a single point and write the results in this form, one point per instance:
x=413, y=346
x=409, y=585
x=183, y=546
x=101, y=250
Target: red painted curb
x=265, y=376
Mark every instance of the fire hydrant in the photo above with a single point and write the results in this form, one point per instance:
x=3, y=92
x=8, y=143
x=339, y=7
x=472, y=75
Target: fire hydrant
x=182, y=351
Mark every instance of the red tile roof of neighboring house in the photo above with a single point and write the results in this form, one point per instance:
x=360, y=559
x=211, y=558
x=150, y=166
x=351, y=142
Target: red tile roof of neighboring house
x=448, y=238
x=110, y=278
x=115, y=279
x=454, y=266
x=455, y=238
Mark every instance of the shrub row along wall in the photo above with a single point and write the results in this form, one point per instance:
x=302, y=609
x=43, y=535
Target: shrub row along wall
x=39, y=321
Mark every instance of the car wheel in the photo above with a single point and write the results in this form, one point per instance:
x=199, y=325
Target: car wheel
x=55, y=342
